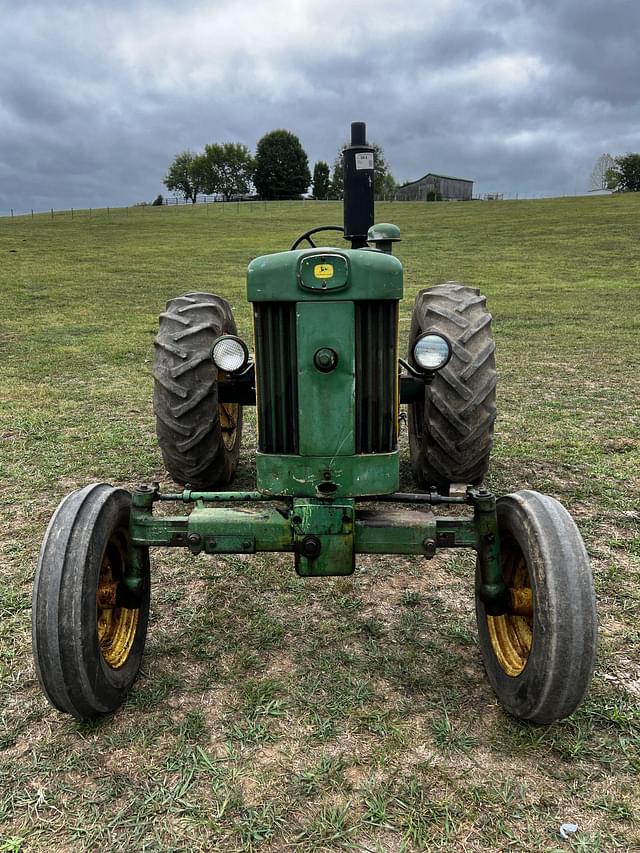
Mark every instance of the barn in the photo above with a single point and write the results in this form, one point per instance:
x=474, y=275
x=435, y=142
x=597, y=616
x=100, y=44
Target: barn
x=434, y=187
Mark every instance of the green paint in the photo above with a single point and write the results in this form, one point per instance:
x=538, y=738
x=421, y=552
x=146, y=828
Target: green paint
x=230, y=531
x=326, y=401
x=492, y=590
x=302, y=476
x=342, y=531
x=133, y=575
x=383, y=235
x=332, y=525
x=217, y=530
x=394, y=531
x=284, y=276
x=383, y=231
x=158, y=530
x=456, y=533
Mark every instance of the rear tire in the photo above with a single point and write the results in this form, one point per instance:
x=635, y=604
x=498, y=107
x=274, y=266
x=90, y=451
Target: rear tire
x=450, y=437
x=87, y=647
x=199, y=438
x=540, y=661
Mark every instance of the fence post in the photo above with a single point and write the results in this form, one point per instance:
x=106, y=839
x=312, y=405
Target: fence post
x=72, y=213
x=32, y=213
x=52, y=213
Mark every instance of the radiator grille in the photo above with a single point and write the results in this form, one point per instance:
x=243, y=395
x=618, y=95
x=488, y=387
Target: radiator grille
x=276, y=362
x=376, y=376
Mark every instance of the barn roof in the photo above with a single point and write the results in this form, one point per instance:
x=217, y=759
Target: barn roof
x=432, y=175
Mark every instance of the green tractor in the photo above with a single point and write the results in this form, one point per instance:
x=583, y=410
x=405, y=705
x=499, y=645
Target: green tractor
x=328, y=383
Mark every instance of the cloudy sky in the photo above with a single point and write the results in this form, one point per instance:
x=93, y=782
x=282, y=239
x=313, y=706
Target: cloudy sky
x=522, y=96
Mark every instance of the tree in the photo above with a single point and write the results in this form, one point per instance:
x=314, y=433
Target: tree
x=321, y=180
x=228, y=169
x=282, y=166
x=624, y=175
x=383, y=180
x=599, y=179
x=388, y=187
x=186, y=175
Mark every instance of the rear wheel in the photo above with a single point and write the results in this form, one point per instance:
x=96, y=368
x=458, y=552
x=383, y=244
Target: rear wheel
x=450, y=436
x=198, y=436
x=540, y=657
x=88, y=633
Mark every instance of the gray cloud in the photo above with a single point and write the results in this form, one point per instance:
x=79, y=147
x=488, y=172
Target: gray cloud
x=96, y=98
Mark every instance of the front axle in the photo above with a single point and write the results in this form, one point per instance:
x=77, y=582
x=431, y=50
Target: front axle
x=324, y=535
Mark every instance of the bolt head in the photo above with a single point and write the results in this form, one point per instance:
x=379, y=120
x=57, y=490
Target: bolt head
x=325, y=359
x=310, y=547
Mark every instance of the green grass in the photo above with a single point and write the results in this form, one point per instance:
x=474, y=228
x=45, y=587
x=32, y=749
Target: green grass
x=276, y=713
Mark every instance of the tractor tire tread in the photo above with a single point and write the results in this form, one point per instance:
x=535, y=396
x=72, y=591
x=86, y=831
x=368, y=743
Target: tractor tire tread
x=65, y=652
x=451, y=439
x=185, y=396
x=561, y=662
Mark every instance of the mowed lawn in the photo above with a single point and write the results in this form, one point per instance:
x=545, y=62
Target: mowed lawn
x=278, y=713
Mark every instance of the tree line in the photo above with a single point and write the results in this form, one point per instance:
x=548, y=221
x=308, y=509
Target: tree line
x=279, y=169
x=620, y=174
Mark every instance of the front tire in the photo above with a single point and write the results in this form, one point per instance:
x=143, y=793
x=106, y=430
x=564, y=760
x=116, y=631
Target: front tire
x=540, y=659
x=199, y=437
x=87, y=644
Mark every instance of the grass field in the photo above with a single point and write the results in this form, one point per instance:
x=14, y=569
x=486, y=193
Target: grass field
x=277, y=713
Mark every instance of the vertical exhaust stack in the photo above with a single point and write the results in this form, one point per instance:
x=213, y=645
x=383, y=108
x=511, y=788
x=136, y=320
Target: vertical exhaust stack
x=357, y=164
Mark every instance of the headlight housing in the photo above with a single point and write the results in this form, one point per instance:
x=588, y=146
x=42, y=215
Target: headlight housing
x=230, y=354
x=431, y=352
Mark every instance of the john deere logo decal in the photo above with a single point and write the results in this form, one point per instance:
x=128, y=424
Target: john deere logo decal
x=323, y=271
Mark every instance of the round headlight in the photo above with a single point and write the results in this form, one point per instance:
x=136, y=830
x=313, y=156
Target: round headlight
x=229, y=354
x=431, y=352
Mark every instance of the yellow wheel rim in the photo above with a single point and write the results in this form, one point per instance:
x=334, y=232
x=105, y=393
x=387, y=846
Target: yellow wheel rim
x=511, y=635
x=117, y=626
x=228, y=413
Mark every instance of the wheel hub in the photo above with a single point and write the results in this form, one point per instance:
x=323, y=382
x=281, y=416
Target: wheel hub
x=228, y=413
x=511, y=634
x=117, y=626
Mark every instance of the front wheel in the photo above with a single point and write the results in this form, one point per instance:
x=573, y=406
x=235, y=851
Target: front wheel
x=88, y=633
x=540, y=657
